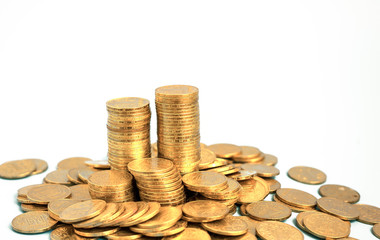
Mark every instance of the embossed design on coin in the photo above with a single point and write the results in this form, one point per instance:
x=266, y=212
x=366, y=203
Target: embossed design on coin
x=33, y=222
x=267, y=210
x=82, y=211
x=326, y=226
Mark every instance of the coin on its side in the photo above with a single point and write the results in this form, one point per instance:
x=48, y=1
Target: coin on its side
x=46, y=193
x=278, y=230
x=17, y=169
x=338, y=208
x=253, y=190
x=228, y=226
x=33, y=207
x=33, y=222
x=98, y=164
x=247, y=236
x=58, y=177
x=324, y=225
x=268, y=211
x=273, y=184
x=166, y=217
x=340, y=192
x=82, y=211
x=368, y=214
x=307, y=175
x=204, y=180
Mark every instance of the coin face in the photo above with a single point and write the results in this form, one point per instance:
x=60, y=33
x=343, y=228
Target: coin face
x=273, y=184
x=127, y=103
x=17, y=169
x=153, y=210
x=107, y=213
x=58, y=177
x=166, y=216
x=225, y=150
x=247, y=152
x=261, y=170
x=326, y=226
x=338, y=208
x=269, y=160
x=204, y=180
x=296, y=197
x=205, y=209
x=41, y=166
x=278, y=230
x=179, y=90
x=268, y=211
x=74, y=162
x=33, y=222
x=228, y=226
x=207, y=157
x=56, y=207
x=46, y=193
x=124, y=233
x=253, y=190
x=300, y=217
x=376, y=230
x=82, y=211
x=190, y=232
x=307, y=175
x=80, y=192
x=24, y=190
x=368, y=214
x=340, y=192
x=110, y=178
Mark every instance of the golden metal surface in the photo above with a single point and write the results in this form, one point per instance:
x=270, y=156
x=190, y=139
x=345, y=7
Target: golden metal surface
x=48, y=192
x=368, y=214
x=167, y=216
x=273, y=184
x=105, y=215
x=153, y=210
x=80, y=192
x=268, y=211
x=307, y=175
x=376, y=230
x=253, y=192
x=225, y=150
x=228, y=226
x=56, y=207
x=96, y=232
x=338, y=208
x=340, y=192
x=24, y=190
x=247, y=152
x=204, y=180
x=296, y=197
x=124, y=234
x=324, y=225
x=73, y=162
x=58, y=177
x=261, y=170
x=41, y=166
x=33, y=222
x=278, y=230
x=251, y=223
x=32, y=207
x=82, y=211
x=205, y=209
x=98, y=164
x=17, y=169
x=66, y=232
x=190, y=232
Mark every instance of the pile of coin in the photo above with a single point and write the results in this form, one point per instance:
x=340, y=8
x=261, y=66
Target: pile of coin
x=158, y=180
x=111, y=186
x=128, y=131
x=178, y=126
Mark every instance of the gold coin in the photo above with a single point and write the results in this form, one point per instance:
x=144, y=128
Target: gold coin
x=243, y=175
x=221, y=169
x=73, y=176
x=324, y=225
x=65, y=232
x=338, y=208
x=24, y=190
x=300, y=217
x=251, y=223
x=277, y=231
x=292, y=207
x=176, y=228
x=376, y=230
x=96, y=232
x=190, y=232
x=217, y=163
x=253, y=193
x=41, y=166
x=207, y=157
x=269, y=160
x=247, y=236
x=255, y=160
x=225, y=150
x=261, y=170
x=232, y=191
x=74, y=162
x=32, y=207
x=273, y=184
x=151, y=165
x=368, y=214
x=340, y=192
x=124, y=234
x=48, y=192
x=204, y=180
x=205, y=209
x=56, y=207
x=17, y=169
x=129, y=208
x=296, y=197
x=82, y=211
x=307, y=175
x=268, y=211
x=109, y=179
x=80, y=192
x=247, y=152
x=85, y=173
x=33, y=222
x=167, y=216
x=128, y=103
x=154, y=209
x=228, y=226
x=58, y=177
x=98, y=164
x=243, y=210
x=109, y=211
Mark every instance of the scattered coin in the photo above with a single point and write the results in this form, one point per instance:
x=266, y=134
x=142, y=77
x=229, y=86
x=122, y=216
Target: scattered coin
x=191, y=232
x=46, y=193
x=109, y=211
x=273, y=184
x=33, y=222
x=376, y=230
x=153, y=210
x=73, y=176
x=80, y=192
x=176, y=228
x=74, y=162
x=274, y=230
x=65, y=232
x=268, y=211
x=125, y=234
x=17, y=169
x=82, y=211
x=205, y=210
x=300, y=217
x=338, y=208
x=207, y=157
x=324, y=225
x=24, y=190
x=228, y=226
x=251, y=223
x=296, y=197
x=253, y=190
x=269, y=160
x=41, y=166
x=204, y=181
x=340, y=192
x=225, y=150
x=247, y=152
x=166, y=217
x=307, y=175
x=261, y=170
x=58, y=177
x=247, y=236
x=368, y=214
x=56, y=207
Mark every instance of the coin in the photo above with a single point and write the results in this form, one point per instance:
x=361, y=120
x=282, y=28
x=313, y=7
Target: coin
x=253, y=192
x=41, y=166
x=56, y=207
x=228, y=226
x=167, y=216
x=82, y=211
x=58, y=177
x=109, y=179
x=268, y=211
x=85, y=173
x=292, y=207
x=176, y=228
x=269, y=160
x=98, y=164
x=338, y=208
x=251, y=223
x=151, y=165
x=65, y=232
x=247, y=152
x=130, y=208
x=73, y=176
x=296, y=197
x=243, y=175
x=273, y=184
x=300, y=217
x=17, y=169
x=207, y=158
x=340, y=192
x=105, y=215
x=80, y=192
x=124, y=234
x=225, y=150
x=368, y=214
x=307, y=175
x=204, y=180
x=33, y=222
x=324, y=225
x=46, y=193
x=96, y=232
x=205, y=209
x=32, y=207
x=73, y=162
x=190, y=232
x=261, y=170
x=247, y=236
x=376, y=230
x=24, y=190
x=153, y=210
x=278, y=231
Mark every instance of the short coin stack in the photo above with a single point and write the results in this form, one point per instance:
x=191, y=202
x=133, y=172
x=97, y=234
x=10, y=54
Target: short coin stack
x=158, y=180
x=111, y=186
x=178, y=126
x=128, y=131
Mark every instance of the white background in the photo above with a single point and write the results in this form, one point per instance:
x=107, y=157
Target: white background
x=298, y=79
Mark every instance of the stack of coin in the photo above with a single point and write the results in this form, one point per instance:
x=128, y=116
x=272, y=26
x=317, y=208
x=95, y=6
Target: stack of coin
x=128, y=131
x=178, y=126
x=158, y=180
x=111, y=186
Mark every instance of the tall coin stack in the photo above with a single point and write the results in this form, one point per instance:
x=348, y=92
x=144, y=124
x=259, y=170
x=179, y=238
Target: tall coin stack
x=128, y=131
x=158, y=180
x=178, y=126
